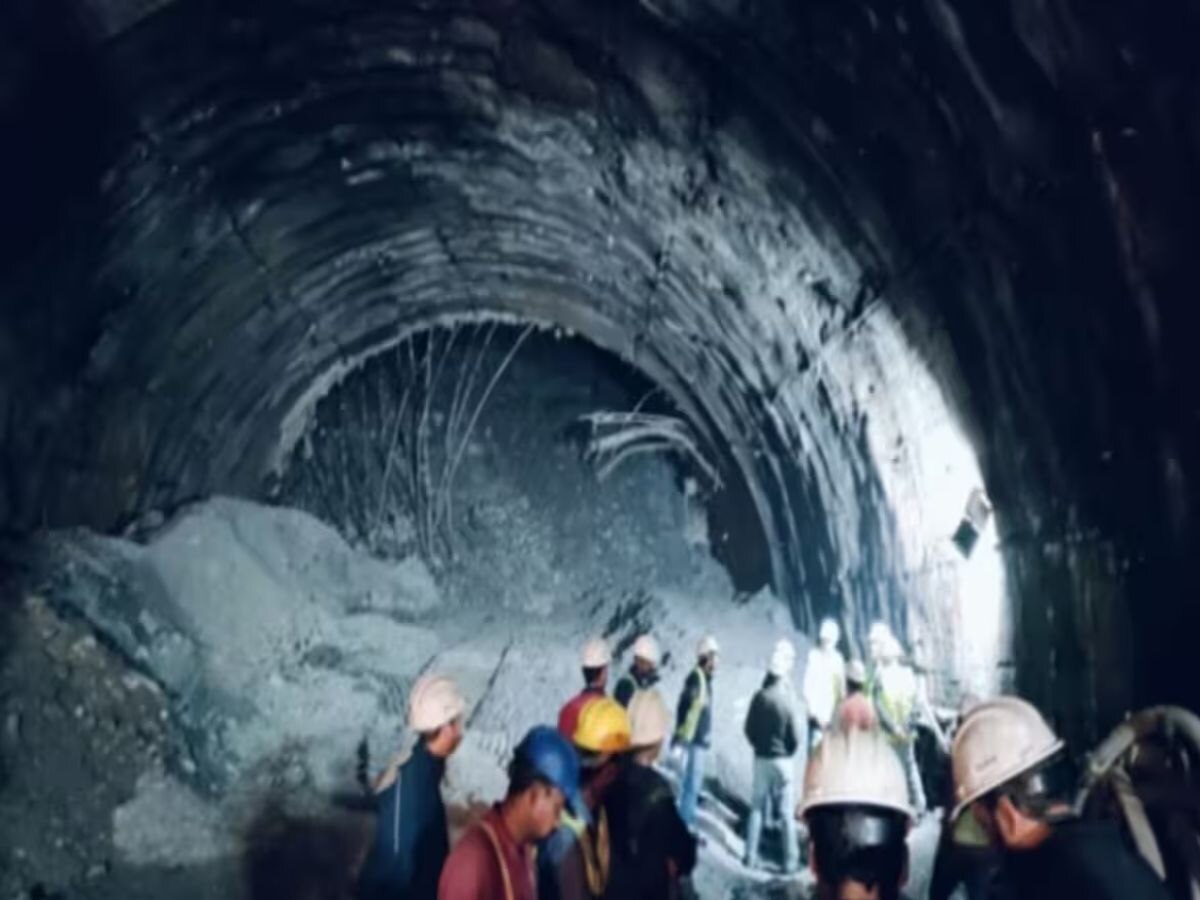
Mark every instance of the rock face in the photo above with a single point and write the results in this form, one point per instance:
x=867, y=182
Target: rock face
x=268, y=661
x=90, y=731
x=262, y=625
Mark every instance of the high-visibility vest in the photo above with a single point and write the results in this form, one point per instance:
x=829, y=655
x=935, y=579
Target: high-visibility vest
x=597, y=852
x=687, y=729
x=897, y=695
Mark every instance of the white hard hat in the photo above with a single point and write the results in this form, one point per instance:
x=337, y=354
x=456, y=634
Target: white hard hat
x=890, y=649
x=997, y=741
x=708, y=644
x=830, y=632
x=855, y=768
x=856, y=671
x=649, y=718
x=595, y=654
x=879, y=631
x=435, y=701
x=646, y=647
x=783, y=658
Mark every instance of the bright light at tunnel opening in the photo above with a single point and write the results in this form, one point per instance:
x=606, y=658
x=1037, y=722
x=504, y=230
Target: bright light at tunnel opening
x=958, y=622
x=980, y=601
x=977, y=606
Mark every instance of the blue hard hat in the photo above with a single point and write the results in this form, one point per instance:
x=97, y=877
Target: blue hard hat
x=552, y=757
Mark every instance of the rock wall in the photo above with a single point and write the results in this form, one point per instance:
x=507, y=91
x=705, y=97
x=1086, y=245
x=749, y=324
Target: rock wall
x=235, y=206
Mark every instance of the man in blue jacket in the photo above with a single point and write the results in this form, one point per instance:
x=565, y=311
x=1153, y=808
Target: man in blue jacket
x=411, y=839
x=693, y=727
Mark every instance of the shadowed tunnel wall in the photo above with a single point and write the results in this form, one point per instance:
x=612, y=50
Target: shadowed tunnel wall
x=838, y=235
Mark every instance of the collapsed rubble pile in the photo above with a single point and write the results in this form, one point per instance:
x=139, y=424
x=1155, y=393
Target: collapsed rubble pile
x=255, y=656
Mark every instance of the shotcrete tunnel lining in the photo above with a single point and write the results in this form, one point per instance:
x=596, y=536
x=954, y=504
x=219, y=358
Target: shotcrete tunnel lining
x=687, y=299
x=624, y=99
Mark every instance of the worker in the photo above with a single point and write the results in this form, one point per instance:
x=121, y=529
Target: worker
x=878, y=636
x=856, y=709
x=824, y=680
x=411, y=839
x=925, y=713
x=652, y=849
x=771, y=729
x=965, y=853
x=595, y=660
x=574, y=861
x=494, y=859
x=856, y=808
x=1012, y=772
x=643, y=674
x=693, y=726
x=895, y=702
x=965, y=856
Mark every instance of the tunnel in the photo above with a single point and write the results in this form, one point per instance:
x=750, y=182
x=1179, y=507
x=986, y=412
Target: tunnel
x=566, y=317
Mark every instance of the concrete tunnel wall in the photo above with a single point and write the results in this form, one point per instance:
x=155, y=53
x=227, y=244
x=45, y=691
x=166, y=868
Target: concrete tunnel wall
x=839, y=235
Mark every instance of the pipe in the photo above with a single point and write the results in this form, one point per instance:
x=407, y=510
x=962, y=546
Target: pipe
x=1138, y=726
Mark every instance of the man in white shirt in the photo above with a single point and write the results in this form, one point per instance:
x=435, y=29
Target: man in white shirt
x=824, y=680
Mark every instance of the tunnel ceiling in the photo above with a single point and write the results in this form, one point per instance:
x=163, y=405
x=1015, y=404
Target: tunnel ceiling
x=216, y=213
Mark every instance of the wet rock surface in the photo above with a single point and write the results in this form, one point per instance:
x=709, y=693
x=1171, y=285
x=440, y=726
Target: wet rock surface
x=82, y=728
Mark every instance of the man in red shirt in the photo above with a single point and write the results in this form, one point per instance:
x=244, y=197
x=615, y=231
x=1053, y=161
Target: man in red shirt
x=857, y=710
x=596, y=659
x=494, y=859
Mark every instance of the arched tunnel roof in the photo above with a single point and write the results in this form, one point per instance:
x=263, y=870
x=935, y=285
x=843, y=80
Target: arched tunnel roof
x=786, y=214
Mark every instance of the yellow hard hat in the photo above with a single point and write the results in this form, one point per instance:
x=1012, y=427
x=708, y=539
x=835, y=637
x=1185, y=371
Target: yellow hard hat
x=997, y=741
x=855, y=768
x=603, y=727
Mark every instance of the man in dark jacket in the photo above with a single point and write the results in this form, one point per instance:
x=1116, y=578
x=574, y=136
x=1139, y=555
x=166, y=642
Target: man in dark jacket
x=1011, y=772
x=771, y=729
x=693, y=727
x=643, y=674
x=411, y=840
x=652, y=848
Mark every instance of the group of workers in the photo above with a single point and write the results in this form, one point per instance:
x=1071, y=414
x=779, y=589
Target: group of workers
x=587, y=815
x=837, y=697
